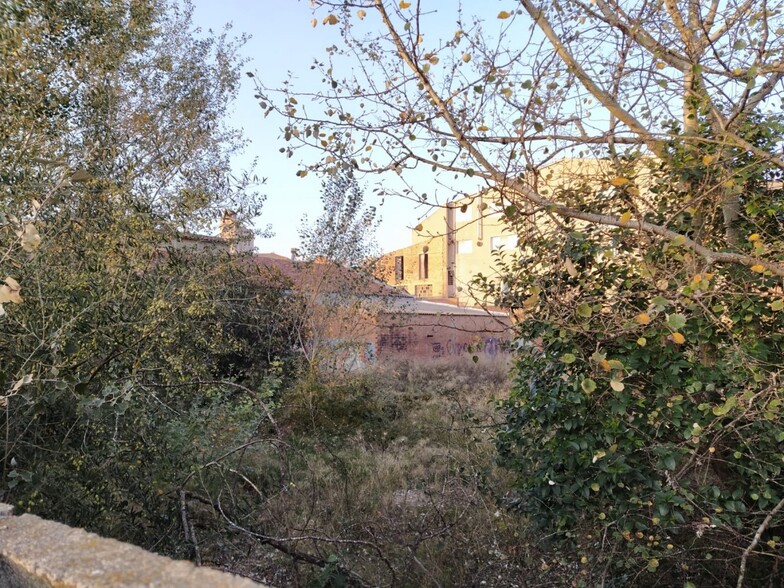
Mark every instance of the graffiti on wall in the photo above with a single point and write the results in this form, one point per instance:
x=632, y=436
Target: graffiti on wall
x=395, y=342
x=489, y=346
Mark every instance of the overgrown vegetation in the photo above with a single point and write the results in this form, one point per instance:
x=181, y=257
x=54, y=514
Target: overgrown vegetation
x=373, y=479
x=635, y=147
x=151, y=388
x=112, y=146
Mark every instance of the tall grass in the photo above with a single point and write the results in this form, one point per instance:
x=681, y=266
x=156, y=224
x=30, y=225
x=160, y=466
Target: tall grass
x=385, y=478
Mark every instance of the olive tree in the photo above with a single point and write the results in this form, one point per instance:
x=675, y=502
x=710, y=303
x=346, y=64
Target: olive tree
x=636, y=148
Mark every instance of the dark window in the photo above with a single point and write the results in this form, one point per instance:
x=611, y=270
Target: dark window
x=423, y=266
x=399, y=268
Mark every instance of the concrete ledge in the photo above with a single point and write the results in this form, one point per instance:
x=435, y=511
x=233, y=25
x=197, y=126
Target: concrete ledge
x=35, y=553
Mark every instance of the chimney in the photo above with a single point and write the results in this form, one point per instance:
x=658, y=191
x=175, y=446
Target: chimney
x=240, y=238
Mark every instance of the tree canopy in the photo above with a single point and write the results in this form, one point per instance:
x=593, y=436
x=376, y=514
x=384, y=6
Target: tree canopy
x=636, y=149
x=115, y=331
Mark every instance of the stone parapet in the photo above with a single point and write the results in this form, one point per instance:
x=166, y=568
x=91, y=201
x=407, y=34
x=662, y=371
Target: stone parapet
x=35, y=553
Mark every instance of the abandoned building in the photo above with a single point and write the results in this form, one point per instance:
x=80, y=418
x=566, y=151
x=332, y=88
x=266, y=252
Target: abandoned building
x=355, y=319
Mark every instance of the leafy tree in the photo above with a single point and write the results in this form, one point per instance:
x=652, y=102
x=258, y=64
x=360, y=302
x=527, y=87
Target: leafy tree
x=336, y=262
x=343, y=234
x=112, y=143
x=635, y=147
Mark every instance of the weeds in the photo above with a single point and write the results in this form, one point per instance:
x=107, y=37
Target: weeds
x=384, y=478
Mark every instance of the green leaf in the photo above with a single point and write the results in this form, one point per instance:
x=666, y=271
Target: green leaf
x=584, y=310
x=568, y=358
x=676, y=321
x=588, y=385
x=728, y=405
x=660, y=302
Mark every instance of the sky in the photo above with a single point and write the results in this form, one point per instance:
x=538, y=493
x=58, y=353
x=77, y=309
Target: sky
x=283, y=40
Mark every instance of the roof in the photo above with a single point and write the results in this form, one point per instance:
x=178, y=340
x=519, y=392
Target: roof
x=421, y=306
x=323, y=276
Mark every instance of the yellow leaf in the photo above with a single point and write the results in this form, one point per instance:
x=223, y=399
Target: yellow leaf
x=642, y=341
x=466, y=57
x=9, y=292
x=605, y=365
x=678, y=338
x=708, y=159
x=619, y=181
x=625, y=217
x=361, y=14
x=418, y=227
x=758, y=268
x=643, y=318
x=313, y=22
x=405, y=5
x=754, y=237
x=616, y=385
x=483, y=128
x=661, y=65
x=330, y=19
x=30, y=239
x=570, y=269
x=503, y=15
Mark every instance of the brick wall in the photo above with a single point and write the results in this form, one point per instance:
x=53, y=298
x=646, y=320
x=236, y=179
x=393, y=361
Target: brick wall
x=436, y=265
x=434, y=336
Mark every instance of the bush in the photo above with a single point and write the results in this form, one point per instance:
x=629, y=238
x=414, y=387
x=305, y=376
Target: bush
x=645, y=426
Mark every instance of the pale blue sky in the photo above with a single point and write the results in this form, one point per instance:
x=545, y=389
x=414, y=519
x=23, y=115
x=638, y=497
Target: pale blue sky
x=283, y=40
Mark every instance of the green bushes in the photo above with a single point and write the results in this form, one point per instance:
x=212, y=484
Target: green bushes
x=645, y=423
x=116, y=330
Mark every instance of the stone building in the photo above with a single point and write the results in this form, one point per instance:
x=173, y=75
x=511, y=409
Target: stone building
x=449, y=248
x=462, y=239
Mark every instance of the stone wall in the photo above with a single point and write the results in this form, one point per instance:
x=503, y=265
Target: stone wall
x=35, y=553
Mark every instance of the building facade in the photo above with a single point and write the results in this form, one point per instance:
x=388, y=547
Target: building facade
x=462, y=239
x=449, y=248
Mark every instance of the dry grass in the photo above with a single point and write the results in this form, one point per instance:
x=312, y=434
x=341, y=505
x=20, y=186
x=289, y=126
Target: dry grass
x=388, y=474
